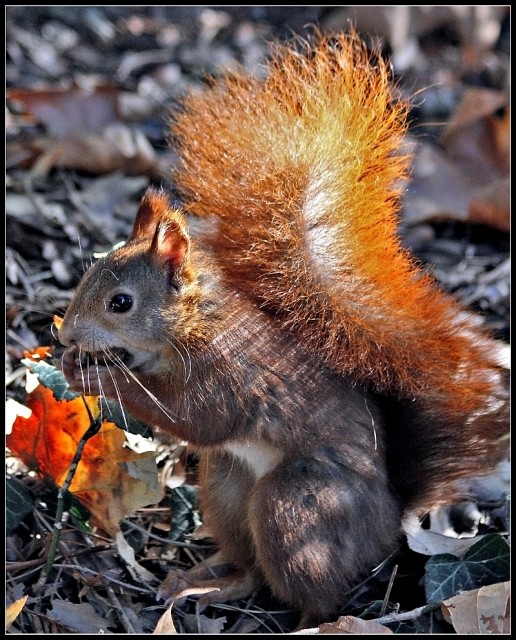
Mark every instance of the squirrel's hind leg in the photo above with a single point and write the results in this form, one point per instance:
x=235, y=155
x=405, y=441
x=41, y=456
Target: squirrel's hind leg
x=225, y=489
x=321, y=523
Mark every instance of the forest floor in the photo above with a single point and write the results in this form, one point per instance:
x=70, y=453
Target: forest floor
x=89, y=90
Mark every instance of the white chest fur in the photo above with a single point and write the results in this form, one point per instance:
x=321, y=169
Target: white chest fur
x=259, y=457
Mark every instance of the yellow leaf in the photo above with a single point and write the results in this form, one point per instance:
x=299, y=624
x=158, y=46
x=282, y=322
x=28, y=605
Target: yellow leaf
x=165, y=623
x=13, y=610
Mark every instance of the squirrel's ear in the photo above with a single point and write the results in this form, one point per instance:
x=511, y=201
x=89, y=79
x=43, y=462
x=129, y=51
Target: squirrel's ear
x=152, y=207
x=171, y=242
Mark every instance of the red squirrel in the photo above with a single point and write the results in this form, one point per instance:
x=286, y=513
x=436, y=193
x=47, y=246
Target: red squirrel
x=327, y=383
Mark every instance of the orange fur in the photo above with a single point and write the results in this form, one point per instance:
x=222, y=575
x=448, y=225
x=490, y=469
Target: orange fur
x=302, y=172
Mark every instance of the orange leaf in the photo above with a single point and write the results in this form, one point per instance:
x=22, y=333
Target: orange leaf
x=37, y=354
x=47, y=442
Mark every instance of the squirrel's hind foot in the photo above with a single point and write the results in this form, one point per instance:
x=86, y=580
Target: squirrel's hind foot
x=214, y=580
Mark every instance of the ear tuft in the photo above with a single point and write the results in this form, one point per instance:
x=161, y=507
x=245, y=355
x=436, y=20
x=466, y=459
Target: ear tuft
x=153, y=206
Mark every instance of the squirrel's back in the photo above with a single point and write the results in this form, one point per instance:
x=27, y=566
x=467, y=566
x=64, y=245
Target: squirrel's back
x=302, y=172
x=302, y=175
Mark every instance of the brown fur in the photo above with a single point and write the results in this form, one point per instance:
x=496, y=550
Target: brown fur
x=302, y=173
x=327, y=383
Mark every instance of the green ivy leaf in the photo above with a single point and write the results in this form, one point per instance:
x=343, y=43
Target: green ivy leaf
x=184, y=507
x=52, y=378
x=113, y=412
x=485, y=563
x=18, y=503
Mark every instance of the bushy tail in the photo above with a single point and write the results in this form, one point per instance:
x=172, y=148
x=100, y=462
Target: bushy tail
x=302, y=172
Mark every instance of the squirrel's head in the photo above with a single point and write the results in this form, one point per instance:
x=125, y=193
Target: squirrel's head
x=134, y=301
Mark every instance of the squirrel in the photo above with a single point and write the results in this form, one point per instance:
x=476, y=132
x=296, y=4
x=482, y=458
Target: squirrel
x=326, y=381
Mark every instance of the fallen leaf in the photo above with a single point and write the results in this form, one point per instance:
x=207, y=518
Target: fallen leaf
x=116, y=147
x=477, y=136
x=467, y=177
x=47, y=442
x=13, y=409
x=38, y=354
x=444, y=188
x=13, y=610
x=127, y=553
x=430, y=543
x=66, y=110
x=194, y=623
x=491, y=205
x=438, y=187
x=165, y=623
x=80, y=618
x=350, y=624
x=476, y=103
x=199, y=623
x=484, y=610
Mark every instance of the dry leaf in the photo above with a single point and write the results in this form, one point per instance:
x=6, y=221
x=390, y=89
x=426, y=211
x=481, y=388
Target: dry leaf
x=443, y=187
x=477, y=139
x=13, y=409
x=165, y=623
x=484, y=610
x=492, y=205
x=47, y=442
x=350, y=624
x=438, y=187
x=13, y=610
x=117, y=147
x=39, y=353
x=193, y=623
x=127, y=553
x=81, y=618
x=476, y=103
x=467, y=177
x=199, y=623
x=68, y=110
x=430, y=543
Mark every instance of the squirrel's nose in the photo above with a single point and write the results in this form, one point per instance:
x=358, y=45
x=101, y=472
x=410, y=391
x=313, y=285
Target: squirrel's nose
x=65, y=334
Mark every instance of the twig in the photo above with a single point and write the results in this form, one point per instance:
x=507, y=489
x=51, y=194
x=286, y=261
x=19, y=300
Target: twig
x=16, y=565
x=95, y=424
x=389, y=589
x=254, y=613
x=105, y=576
x=122, y=616
x=192, y=546
x=409, y=615
x=391, y=617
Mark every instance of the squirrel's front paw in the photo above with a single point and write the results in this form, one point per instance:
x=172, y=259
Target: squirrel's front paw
x=85, y=375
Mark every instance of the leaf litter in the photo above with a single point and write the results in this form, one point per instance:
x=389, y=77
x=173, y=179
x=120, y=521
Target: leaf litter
x=88, y=95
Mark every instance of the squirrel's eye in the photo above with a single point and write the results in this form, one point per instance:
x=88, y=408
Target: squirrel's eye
x=120, y=303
